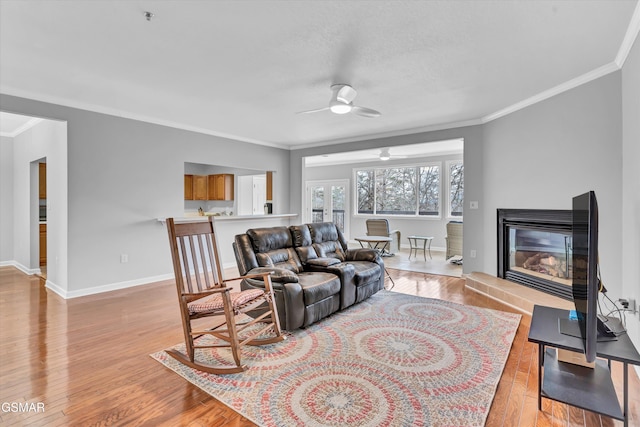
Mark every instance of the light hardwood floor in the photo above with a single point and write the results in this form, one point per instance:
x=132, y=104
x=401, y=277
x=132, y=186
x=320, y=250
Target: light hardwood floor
x=87, y=359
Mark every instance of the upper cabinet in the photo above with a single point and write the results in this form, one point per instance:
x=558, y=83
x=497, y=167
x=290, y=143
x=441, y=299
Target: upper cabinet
x=42, y=178
x=200, y=187
x=209, y=187
x=269, y=186
x=188, y=187
x=221, y=186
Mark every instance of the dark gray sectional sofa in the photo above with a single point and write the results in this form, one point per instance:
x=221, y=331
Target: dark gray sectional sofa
x=314, y=273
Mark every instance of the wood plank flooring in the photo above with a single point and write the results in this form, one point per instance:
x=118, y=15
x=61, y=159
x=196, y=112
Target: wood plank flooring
x=87, y=359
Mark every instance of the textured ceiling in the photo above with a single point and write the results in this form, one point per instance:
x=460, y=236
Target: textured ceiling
x=242, y=69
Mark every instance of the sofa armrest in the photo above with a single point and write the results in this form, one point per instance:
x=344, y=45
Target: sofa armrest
x=280, y=275
x=323, y=262
x=289, y=301
x=362, y=254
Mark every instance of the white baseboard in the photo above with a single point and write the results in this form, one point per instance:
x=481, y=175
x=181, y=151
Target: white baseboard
x=25, y=270
x=106, y=288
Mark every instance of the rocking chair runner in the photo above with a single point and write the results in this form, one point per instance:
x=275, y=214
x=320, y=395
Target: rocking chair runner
x=202, y=292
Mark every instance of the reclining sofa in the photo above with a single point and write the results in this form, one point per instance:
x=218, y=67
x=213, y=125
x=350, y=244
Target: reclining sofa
x=313, y=272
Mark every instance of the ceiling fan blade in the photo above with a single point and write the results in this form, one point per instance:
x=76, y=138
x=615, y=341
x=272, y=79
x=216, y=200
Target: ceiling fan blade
x=313, y=111
x=365, y=112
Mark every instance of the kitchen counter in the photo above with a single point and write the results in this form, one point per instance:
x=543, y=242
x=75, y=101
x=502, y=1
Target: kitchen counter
x=230, y=217
x=228, y=226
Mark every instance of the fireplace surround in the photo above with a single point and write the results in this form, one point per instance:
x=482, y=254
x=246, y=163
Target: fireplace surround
x=534, y=249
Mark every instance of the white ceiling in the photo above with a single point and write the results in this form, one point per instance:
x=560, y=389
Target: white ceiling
x=242, y=69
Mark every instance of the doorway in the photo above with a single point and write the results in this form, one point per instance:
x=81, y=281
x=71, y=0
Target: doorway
x=42, y=216
x=328, y=201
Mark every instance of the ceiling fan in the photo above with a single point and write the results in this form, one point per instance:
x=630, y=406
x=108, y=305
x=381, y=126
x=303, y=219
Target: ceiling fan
x=385, y=155
x=341, y=102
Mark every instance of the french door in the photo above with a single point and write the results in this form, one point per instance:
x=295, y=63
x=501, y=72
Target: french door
x=328, y=201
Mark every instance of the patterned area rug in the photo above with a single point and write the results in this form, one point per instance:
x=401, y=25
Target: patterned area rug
x=392, y=360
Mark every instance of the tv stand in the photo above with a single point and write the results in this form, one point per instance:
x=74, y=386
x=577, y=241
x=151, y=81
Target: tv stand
x=587, y=388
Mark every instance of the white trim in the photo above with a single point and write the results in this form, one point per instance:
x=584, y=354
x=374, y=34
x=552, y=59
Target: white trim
x=106, y=288
x=573, y=83
x=447, y=190
x=130, y=115
x=629, y=38
x=28, y=125
x=391, y=134
x=328, y=184
x=25, y=270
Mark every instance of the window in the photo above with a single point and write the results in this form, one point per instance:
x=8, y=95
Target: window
x=402, y=190
x=456, y=188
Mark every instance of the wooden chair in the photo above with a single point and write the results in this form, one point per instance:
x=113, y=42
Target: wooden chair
x=203, y=293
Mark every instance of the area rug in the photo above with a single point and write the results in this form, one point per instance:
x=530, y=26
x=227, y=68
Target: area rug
x=391, y=360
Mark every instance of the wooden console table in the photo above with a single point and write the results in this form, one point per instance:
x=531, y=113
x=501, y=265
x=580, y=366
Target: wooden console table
x=585, y=388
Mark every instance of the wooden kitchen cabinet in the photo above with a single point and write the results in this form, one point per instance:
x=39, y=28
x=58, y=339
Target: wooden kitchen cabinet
x=43, y=244
x=221, y=186
x=188, y=187
x=269, y=186
x=42, y=180
x=200, y=187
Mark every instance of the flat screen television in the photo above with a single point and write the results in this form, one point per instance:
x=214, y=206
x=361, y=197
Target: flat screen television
x=585, y=284
x=585, y=322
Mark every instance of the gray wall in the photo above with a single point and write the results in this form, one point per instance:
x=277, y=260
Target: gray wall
x=46, y=140
x=473, y=189
x=6, y=200
x=542, y=156
x=122, y=175
x=407, y=226
x=631, y=185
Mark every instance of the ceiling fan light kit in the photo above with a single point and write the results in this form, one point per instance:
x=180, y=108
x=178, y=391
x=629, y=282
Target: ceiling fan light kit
x=340, y=107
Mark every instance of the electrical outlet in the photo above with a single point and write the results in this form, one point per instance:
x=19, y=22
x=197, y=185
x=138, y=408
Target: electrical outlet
x=124, y=258
x=632, y=306
x=473, y=205
x=472, y=253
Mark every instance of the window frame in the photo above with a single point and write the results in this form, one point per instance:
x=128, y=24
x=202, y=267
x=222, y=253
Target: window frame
x=448, y=191
x=416, y=214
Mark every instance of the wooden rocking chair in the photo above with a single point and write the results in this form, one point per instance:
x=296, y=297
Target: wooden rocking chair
x=202, y=292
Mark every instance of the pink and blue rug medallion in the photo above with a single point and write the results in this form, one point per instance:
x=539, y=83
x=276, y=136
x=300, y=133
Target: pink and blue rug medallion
x=392, y=360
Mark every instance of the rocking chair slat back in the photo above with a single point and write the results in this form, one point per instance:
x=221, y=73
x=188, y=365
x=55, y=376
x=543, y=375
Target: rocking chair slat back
x=198, y=266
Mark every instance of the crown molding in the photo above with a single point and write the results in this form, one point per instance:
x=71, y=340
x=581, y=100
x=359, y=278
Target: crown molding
x=28, y=125
x=391, y=134
x=573, y=83
x=129, y=115
x=629, y=38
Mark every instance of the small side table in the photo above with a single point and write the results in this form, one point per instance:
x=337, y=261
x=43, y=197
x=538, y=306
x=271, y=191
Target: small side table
x=415, y=246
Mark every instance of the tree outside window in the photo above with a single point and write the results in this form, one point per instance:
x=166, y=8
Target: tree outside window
x=405, y=190
x=456, y=188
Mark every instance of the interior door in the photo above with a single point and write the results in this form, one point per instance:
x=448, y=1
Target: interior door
x=327, y=201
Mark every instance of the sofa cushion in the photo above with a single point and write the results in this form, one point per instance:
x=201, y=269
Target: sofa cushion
x=329, y=249
x=270, y=238
x=317, y=286
x=326, y=231
x=281, y=258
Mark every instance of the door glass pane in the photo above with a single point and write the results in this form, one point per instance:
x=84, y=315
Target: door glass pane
x=338, y=203
x=317, y=204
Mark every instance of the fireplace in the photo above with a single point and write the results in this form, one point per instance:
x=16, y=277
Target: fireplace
x=534, y=249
